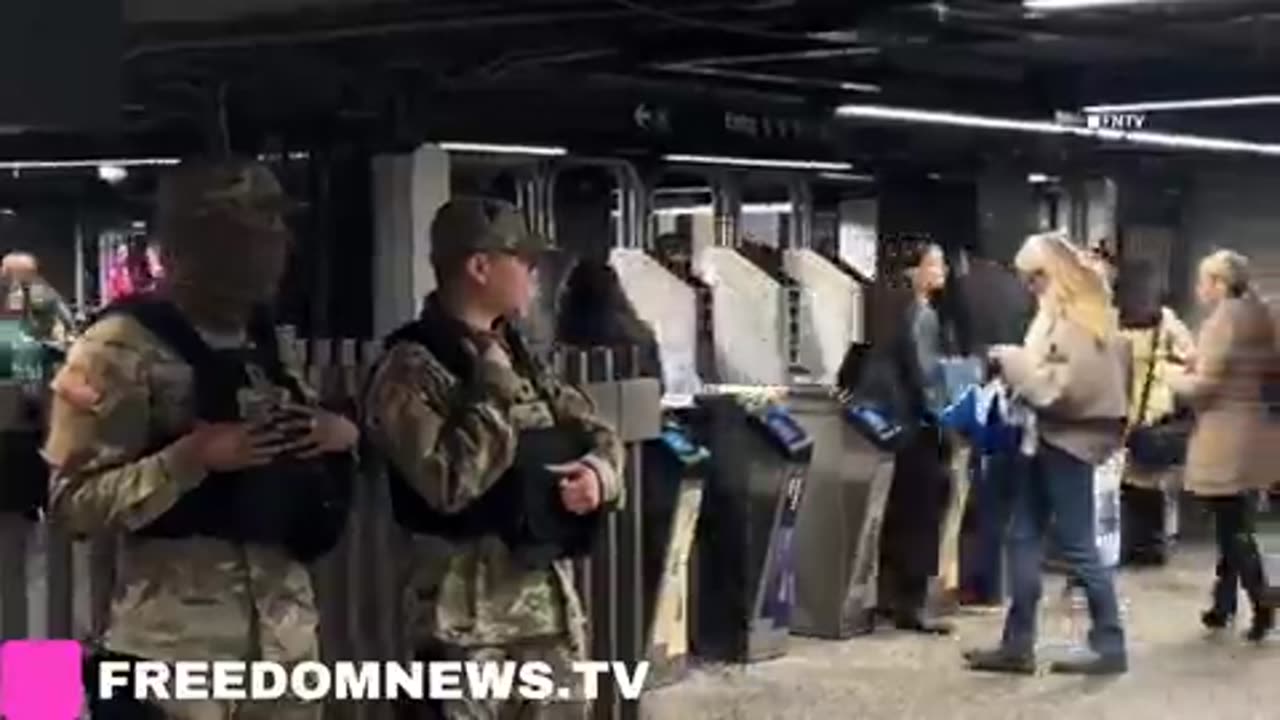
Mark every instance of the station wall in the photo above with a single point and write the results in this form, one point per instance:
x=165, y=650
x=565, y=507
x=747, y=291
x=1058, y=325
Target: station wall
x=1239, y=209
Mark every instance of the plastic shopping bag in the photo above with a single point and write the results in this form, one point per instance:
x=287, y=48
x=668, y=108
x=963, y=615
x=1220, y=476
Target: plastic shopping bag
x=981, y=416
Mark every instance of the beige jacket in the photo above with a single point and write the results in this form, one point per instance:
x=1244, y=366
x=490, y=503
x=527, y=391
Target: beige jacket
x=1230, y=449
x=1078, y=386
x=1176, y=344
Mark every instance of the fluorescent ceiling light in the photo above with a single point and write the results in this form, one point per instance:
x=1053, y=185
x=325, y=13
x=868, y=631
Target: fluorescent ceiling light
x=1040, y=179
x=937, y=117
x=1055, y=5
x=1168, y=140
x=778, y=208
x=466, y=147
x=86, y=164
x=112, y=173
x=115, y=164
x=1198, y=104
x=847, y=177
x=758, y=162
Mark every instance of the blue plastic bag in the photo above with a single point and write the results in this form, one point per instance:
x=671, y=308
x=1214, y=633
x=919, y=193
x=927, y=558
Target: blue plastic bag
x=979, y=415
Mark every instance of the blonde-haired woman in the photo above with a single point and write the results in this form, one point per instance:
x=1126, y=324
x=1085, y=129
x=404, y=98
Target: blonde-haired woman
x=1227, y=460
x=1072, y=371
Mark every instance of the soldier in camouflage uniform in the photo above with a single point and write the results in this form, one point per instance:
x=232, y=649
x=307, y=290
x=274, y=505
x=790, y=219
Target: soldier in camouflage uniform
x=471, y=600
x=195, y=598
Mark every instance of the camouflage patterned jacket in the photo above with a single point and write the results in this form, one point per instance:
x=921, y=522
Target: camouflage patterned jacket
x=473, y=593
x=190, y=598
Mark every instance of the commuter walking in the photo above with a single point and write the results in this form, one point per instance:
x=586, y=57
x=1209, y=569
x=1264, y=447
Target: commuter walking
x=1227, y=461
x=1160, y=344
x=1072, y=372
x=170, y=425
x=457, y=406
x=918, y=498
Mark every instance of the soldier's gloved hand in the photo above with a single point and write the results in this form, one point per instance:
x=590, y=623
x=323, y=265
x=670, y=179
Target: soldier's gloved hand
x=227, y=447
x=312, y=432
x=580, y=489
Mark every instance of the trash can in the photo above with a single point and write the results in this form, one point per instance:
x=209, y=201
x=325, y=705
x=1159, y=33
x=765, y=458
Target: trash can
x=674, y=468
x=745, y=574
x=838, y=528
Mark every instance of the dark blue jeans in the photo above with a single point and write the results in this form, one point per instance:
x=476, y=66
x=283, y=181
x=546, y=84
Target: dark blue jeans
x=1057, y=495
x=994, y=479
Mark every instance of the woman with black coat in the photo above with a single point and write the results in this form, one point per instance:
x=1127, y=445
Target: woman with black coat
x=911, y=332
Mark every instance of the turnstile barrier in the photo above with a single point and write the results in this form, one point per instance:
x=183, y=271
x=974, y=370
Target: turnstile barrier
x=745, y=559
x=675, y=469
x=838, y=529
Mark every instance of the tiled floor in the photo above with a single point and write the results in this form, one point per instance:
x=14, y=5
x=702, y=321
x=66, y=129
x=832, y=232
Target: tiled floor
x=1177, y=671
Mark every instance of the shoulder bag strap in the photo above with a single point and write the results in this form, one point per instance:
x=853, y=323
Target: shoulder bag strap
x=1151, y=373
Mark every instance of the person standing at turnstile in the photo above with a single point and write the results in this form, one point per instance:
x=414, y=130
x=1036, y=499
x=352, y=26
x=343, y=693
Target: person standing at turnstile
x=918, y=497
x=454, y=406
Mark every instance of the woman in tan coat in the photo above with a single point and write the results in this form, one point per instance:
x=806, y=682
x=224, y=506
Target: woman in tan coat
x=1227, y=460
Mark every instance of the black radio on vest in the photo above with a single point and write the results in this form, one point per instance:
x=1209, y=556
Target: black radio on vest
x=301, y=505
x=523, y=508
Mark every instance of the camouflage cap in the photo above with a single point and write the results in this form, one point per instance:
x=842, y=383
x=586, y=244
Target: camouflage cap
x=468, y=225
x=236, y=188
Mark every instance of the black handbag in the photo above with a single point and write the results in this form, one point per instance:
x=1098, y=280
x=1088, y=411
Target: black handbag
x=1163, y=444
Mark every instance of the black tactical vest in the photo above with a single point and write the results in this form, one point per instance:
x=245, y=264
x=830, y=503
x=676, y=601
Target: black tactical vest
x=523, y=508
x=301, y=505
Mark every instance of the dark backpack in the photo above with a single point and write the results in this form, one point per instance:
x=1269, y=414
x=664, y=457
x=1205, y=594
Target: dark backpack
x=523, y=508
x=301, y=505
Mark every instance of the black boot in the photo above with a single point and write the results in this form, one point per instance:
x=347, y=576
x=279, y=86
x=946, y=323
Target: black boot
x=1264, y=620
x=1254, y=579
x=1216, y=619
x=1001, y=661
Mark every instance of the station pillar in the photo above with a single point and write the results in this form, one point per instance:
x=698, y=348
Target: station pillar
x=408, y=189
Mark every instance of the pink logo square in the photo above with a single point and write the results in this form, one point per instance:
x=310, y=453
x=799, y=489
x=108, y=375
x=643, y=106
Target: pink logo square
x=41, y=680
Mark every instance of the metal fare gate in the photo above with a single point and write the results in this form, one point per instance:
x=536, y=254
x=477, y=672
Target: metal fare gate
x=57, y=587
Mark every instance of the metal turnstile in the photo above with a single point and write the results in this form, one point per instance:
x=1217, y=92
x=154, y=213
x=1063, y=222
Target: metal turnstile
x=672, y=503
x=838, y=529
x=744, y=576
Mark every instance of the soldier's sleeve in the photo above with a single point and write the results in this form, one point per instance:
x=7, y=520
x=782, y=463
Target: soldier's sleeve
x=607, y=454
x=104, y=474
x=449, y=446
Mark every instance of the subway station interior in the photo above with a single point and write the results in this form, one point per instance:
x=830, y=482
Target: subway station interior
x=754, y=172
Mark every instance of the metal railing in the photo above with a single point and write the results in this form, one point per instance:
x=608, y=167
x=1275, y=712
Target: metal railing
x=57, y=587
